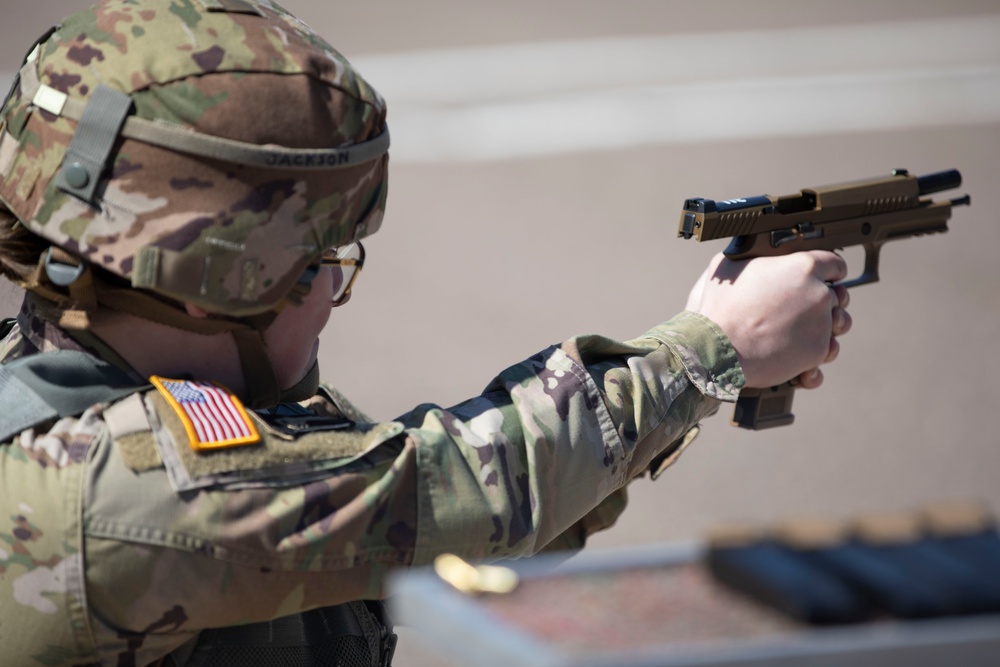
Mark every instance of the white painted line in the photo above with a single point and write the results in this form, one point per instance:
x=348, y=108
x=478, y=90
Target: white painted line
x=698, y=112
x=512, y=71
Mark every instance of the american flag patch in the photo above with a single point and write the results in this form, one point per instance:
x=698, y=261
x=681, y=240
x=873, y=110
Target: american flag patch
x=212, y=416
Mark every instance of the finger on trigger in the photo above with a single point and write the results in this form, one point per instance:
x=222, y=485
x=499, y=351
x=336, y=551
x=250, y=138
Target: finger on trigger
x=830, y=267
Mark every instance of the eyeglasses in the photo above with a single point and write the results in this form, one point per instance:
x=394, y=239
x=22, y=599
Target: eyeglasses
x=349, y=258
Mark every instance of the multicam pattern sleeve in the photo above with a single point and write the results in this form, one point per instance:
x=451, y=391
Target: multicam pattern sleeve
x=554, y=435
x=113, y=550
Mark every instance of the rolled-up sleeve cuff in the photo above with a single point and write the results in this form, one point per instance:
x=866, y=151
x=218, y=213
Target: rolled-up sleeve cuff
x=709, y=359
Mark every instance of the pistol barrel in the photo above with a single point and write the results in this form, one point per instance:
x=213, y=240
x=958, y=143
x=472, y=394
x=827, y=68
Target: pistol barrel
x=938, y=181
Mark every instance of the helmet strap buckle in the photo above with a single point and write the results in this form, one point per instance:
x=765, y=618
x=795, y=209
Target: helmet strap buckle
x=63, y=270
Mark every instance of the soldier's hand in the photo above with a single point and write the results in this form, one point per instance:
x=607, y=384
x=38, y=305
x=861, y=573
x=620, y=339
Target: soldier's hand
x=780, y=313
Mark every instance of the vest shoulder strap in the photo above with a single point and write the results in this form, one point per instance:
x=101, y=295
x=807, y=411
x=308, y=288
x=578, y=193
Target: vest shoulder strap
x=64, y=383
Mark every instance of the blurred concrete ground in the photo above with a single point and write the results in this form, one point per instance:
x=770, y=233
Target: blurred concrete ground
x=543, y=203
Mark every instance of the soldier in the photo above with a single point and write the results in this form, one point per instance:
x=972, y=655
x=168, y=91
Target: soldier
x=184, y=192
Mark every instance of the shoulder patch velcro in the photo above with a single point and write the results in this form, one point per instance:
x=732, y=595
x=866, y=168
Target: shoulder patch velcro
x=213, y=417
x=131, y=433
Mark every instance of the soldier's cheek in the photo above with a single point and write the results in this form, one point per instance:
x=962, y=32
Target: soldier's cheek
x=293, y=338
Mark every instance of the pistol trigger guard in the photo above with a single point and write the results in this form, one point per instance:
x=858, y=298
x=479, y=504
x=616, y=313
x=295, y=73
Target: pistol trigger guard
x=870, y=274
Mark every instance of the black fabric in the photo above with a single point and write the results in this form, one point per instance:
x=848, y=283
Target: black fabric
x=6, y=325
x=346, y=651
x=346, y=635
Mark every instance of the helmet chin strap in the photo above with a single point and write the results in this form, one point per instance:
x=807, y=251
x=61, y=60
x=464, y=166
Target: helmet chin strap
x=87, y=290
x=304, y=389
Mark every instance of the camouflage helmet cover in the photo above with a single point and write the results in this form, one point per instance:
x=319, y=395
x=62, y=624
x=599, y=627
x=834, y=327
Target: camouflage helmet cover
x=229, y=234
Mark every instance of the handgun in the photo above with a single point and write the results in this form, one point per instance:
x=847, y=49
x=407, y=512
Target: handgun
x=868, y=213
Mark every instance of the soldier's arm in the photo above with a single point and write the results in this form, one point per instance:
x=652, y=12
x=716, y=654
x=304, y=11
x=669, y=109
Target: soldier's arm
x=503, y=474
x=552, y=437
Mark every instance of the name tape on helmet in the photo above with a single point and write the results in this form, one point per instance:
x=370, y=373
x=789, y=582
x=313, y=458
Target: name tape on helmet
x=181, y=139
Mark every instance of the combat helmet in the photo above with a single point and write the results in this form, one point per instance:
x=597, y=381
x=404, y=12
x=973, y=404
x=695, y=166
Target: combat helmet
x=193, y=151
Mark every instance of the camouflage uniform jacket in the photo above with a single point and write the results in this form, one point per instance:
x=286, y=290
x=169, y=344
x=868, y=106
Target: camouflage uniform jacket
x=118, y=543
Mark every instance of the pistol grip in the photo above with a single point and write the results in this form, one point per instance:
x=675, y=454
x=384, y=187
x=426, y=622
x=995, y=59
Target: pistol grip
x=758, y=409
